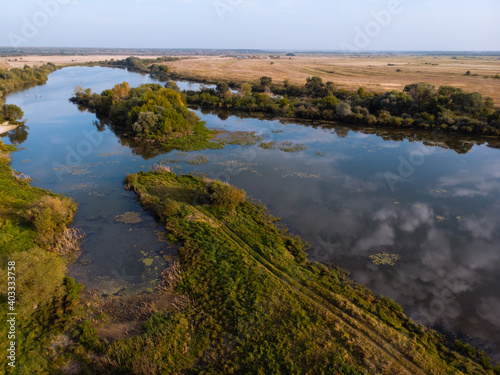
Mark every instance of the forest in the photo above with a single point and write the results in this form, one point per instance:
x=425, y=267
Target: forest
x=419, y=106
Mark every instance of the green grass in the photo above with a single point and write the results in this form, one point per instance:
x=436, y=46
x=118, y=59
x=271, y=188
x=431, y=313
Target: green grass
x=257, y=306
x=201, y=139
x=30, y=225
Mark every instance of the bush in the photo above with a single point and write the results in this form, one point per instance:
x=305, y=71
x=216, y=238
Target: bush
x=224, y=195
x=50, y=215
x=11, y=112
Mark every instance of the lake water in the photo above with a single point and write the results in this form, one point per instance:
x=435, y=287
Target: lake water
x=431, y=201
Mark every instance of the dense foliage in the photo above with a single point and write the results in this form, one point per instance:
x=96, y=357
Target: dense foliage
x=420, y=105
x=11, y=113
x=149, y=112
x=15, y=78
x=256, y=305
x=32, y=228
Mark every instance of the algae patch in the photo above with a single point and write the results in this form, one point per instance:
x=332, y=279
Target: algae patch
x=129, y=218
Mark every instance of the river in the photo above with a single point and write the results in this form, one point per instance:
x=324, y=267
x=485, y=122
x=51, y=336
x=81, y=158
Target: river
x=428, y=206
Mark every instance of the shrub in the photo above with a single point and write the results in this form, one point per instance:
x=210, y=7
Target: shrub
x=11, y=112
x=224, y=195
x=49, y=215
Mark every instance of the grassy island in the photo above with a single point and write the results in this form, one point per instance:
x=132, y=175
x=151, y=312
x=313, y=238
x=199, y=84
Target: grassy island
x=254, y=304
x=149, y=112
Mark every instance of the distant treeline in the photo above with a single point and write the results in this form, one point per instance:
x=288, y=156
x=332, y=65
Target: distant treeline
x=153, y=67
x=16, y=78
x=137, y=65
x=420, y=105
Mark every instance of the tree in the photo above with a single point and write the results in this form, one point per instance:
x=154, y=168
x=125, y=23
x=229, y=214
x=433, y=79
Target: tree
x=223, y=90
x=315, y=87
x=246, y=89
x=344, y=109
x=11, y=112
x=121, y=92
x=328, y=102
x=266, y=82
x=330, y=88
x=473, y=104
x=421, y=93
x=146, y=123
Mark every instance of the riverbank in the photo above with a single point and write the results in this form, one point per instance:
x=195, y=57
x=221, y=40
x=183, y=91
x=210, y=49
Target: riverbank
x=33, y=235
x=253, y=303
x=5, y=127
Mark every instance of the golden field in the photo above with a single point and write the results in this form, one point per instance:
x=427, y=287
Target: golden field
x=350, y=72
x=346, y=71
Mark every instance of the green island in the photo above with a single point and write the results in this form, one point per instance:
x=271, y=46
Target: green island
x=254, y=304
x=34, y=234
x=149, y=112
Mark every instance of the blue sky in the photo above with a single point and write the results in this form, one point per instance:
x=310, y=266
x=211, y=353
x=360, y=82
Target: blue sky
x=363, y=25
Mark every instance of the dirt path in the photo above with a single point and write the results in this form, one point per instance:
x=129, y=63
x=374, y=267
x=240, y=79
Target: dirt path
x=381, y=346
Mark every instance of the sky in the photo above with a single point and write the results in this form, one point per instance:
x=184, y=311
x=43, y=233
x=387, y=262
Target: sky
x=298, y=25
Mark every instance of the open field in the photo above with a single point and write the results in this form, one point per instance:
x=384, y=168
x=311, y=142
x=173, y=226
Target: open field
x=37, y=60
x=350, y=72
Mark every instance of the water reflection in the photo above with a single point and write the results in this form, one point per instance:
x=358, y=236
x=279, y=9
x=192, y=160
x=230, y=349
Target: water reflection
x=18, y=135
x=459, y=143
x=441, y=219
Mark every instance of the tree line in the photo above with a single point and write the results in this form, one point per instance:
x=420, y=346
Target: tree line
x=16, y=78
x=420, y=105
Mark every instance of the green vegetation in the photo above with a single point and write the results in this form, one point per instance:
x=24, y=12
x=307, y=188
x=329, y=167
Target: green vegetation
x=16, y=78
x=156, y=68
x=33, y=234
x=420, y=106
x=149, y=112
x=286, y=146
x=137, y=65
x=256, y=305
x=11, y=113
x=198, y=160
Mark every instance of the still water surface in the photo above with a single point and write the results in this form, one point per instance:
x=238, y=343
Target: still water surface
x=352, y=194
